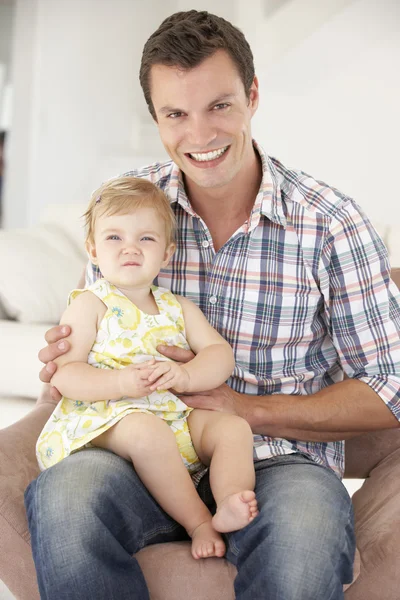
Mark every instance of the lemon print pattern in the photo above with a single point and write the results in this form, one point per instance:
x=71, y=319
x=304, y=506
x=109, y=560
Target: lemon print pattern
x=126, y=336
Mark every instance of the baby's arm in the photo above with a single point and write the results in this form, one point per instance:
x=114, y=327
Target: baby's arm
x=212, y=365
x=74, y=377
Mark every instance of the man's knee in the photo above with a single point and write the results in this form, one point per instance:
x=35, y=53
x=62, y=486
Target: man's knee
x=76, y=488
x=303, y=537
x=292, y=560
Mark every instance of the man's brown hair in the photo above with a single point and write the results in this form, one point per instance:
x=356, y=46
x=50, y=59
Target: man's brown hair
x=185, y=39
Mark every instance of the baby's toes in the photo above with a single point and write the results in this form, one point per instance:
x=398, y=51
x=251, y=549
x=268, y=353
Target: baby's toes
x=249, y=496
x=201, y=550
x=219, y=548
x=208, y=549
x=205, y=549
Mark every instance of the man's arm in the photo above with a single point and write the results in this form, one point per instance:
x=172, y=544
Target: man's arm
x=338, y=412
x=341, y=411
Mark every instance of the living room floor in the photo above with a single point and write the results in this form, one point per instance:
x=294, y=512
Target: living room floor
x=14, y=409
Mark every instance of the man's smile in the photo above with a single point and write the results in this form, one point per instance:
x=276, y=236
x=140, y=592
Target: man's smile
x=208, y=159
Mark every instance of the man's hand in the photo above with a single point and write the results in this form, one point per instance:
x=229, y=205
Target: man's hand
x=175, y=353
x=57, y=345
x=221, y=399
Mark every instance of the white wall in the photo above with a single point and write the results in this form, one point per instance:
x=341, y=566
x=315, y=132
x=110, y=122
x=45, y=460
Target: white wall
x=330, y=105
x=79, y=108
x=329, y=97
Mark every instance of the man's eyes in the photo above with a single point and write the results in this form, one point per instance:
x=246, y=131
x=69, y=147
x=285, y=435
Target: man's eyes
x=216, y=107
x=175, y=115
x=221, y=106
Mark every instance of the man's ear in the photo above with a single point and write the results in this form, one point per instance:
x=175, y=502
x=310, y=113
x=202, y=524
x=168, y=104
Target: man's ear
x=168, y=253
x=254, y=95
x=91, y=250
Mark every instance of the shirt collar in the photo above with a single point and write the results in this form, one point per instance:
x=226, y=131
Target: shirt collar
x=268, y=201
x=177, y=191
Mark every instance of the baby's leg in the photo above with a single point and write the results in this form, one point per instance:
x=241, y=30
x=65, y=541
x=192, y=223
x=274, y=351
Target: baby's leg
x=150, y=444
x=226, y=443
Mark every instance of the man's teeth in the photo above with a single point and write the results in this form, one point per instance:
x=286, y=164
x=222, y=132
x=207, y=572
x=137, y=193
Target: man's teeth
x=209, y=155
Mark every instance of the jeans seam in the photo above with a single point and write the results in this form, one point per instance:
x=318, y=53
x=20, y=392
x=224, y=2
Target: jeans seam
x=45, y=580
x=349, y=522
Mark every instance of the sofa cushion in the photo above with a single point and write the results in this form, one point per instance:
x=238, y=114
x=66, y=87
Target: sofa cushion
x=38, y=268
x=20, y=345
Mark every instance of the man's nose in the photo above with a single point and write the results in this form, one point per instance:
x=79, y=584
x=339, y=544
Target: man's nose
x=200, y=133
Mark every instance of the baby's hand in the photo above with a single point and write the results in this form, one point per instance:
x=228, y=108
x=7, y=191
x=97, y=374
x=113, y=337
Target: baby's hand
x=134, y=379
x=167, y=374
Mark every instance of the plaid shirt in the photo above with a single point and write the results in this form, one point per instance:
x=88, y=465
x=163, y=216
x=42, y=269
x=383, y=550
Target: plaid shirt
x=301, y=291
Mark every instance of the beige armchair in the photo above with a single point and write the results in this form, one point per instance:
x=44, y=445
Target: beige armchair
x=170, y=571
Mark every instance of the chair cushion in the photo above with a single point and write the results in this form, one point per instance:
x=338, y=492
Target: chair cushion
x=180, y=576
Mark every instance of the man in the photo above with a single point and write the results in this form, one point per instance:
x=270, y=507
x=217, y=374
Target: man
x=292, y=274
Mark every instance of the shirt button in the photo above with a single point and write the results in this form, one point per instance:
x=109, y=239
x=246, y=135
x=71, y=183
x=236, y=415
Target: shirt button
x=205, y=243
x=212, y=299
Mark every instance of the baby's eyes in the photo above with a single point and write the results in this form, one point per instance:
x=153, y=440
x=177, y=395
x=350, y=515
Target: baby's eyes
x=145, y=238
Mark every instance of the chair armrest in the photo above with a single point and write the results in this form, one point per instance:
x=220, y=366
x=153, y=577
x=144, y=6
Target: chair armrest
x=365, y=452
x=18, y=466
x=377, y=528
x=21, y=437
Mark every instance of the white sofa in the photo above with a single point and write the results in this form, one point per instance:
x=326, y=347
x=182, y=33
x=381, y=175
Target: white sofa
x=39, y=265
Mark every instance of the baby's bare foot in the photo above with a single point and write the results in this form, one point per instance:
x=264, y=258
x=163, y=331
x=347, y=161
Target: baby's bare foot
x=235, y=511
x=206, y=541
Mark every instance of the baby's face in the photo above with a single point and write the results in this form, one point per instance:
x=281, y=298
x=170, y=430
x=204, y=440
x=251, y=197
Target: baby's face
x=130, y=249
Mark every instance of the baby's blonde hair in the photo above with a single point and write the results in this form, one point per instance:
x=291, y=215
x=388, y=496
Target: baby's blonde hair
x=123, y=194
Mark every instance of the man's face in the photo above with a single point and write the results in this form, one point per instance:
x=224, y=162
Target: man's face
x=203, y=117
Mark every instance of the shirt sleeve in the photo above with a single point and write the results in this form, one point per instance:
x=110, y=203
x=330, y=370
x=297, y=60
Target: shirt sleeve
x=362, y=304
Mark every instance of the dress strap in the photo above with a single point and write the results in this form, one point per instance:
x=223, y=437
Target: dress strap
x=100, y=288
x=169, y=305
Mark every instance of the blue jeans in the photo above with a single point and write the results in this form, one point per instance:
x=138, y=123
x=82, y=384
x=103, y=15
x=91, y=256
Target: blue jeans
x=89, y=513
